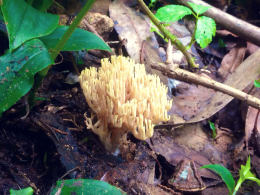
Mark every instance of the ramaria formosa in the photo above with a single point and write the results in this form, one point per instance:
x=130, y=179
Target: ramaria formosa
x=124, y=98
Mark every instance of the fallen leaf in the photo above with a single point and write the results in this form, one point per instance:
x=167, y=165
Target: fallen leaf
x=132, y=26
x=250, y=122
x=101, y=6
x=189, y=142
x=190, y=99
x=246, y=72
x=251, y=48
x=231, y=61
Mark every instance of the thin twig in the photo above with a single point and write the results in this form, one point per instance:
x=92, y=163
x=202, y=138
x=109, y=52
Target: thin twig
x=187, y=76
x=168, y=34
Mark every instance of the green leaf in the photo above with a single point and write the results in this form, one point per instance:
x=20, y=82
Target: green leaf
x=245, y=172
x=257, y=83
x=213, y=128
x=1, y=15
x=24, y=22
x=245, y=169
x=25, y=191
x=253, y=178
x=152, y=3
x=42, y=5
x=224, y=173
x=221, y=43
x=155, y=29
x=79, y=40
x=17, y=71
x=206, y=29
x=172, y=13
x=198, y=9
x=85, y=186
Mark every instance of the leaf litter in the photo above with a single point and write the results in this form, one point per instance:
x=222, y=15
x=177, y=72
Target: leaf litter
x=148, y=166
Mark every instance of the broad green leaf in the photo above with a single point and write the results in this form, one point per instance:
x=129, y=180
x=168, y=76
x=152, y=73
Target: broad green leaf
x=206, y=29
x=24, y=22
x=198, y=9
x=17, y=71
x=85, y=186
x=25, y=191
x=224, y=173
x=257, y=83
x=172, y=13
x=79, y=40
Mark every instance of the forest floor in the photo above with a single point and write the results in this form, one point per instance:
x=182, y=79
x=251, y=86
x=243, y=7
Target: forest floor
x=51, y=142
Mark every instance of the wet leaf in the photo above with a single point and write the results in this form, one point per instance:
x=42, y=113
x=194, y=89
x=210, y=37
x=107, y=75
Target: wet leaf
x=24, y=22
x=17, y=71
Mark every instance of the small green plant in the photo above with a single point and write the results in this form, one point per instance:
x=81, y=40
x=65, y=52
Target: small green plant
x=257, y=83
x=35, y=39
x=152, y=3
x=25, y=191
x=205, y=27
x=225, y=174
x=213, y=128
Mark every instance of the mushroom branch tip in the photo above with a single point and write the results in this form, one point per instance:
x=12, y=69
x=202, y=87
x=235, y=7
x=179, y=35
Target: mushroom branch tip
x=124, y=98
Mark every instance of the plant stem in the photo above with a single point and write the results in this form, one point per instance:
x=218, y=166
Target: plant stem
x=71, y=29
x=56, y=50
x=168, y=35
x=237, y=186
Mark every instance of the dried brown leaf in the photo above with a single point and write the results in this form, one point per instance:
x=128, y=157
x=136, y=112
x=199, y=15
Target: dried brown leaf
x=231, y=61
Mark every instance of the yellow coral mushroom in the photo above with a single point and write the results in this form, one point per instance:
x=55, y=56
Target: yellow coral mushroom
x=125, y=99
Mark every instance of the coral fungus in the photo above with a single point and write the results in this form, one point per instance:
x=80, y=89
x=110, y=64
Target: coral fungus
x=124, y=98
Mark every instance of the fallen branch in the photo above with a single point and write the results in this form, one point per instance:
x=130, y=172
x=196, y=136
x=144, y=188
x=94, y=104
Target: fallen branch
x=239, y=27
x=186, y=76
